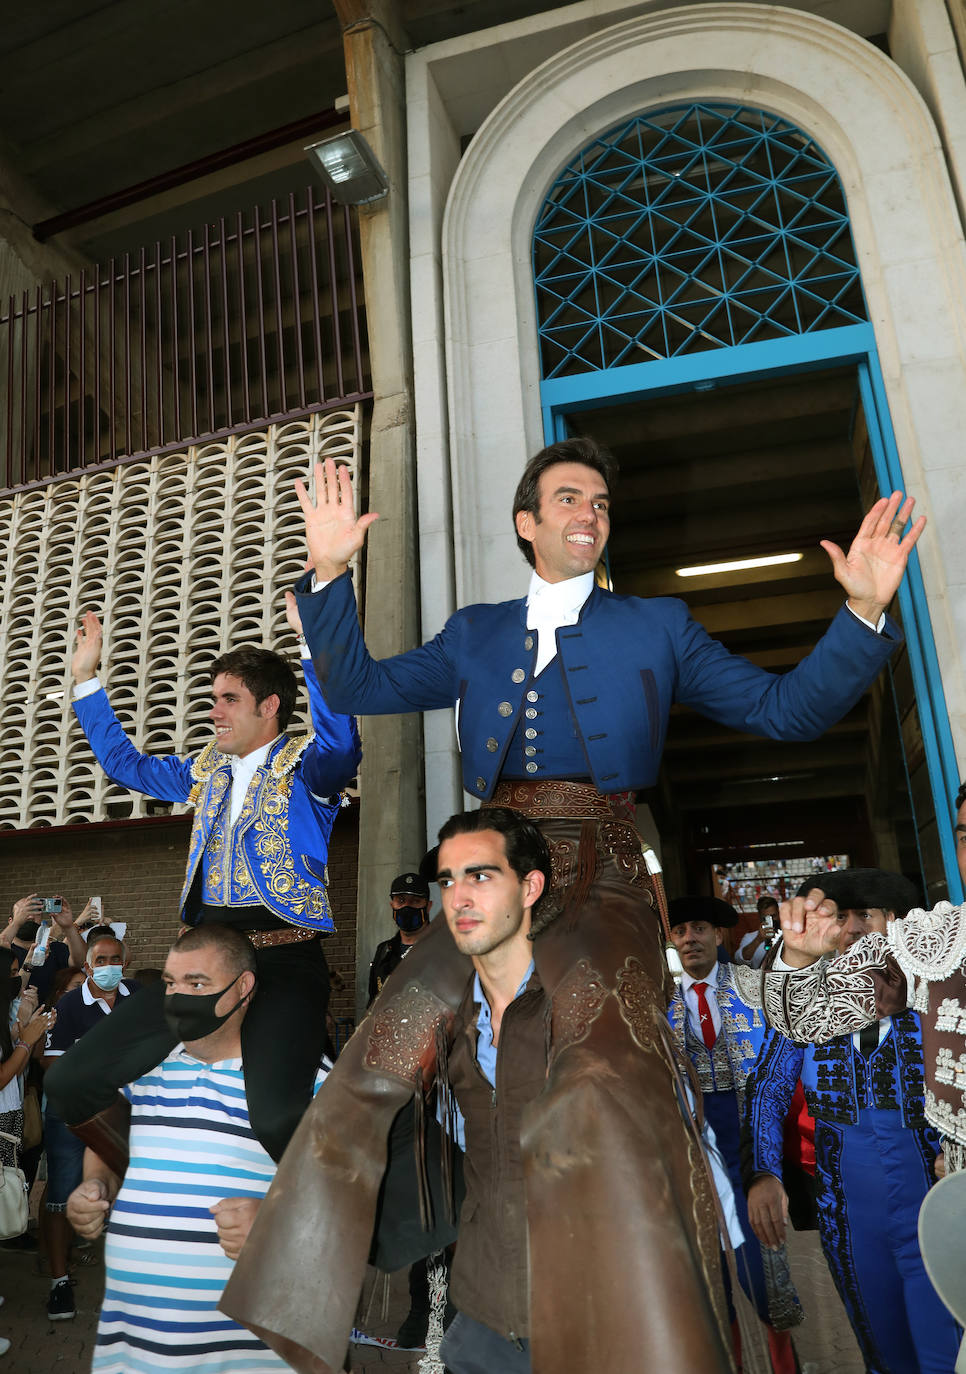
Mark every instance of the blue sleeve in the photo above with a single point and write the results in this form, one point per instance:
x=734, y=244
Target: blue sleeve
x=768, y=1096
x=332, y=759
x=799, y=705
x=168, y=778
x=423, y=679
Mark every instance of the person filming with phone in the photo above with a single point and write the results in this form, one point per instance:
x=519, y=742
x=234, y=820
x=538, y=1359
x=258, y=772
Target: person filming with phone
x=30, y=932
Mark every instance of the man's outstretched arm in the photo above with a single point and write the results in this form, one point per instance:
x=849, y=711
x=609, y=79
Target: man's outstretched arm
x=167, y=778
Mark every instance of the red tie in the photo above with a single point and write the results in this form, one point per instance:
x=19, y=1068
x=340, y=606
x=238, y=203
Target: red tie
x=704, y=1013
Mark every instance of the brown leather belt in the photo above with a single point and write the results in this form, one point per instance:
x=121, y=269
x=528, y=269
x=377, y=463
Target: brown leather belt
x=557, y=799
x=288, y=935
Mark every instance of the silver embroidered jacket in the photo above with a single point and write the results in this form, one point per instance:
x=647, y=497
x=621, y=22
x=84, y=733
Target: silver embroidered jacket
x=838, y=996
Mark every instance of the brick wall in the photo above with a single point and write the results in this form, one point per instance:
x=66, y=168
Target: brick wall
x=138, y=869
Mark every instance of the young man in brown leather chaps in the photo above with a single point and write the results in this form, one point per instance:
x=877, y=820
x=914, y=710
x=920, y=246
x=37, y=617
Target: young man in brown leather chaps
x=620, y=1212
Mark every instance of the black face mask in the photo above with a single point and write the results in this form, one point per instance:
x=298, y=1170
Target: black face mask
x=409, y=918
x=192, y=1017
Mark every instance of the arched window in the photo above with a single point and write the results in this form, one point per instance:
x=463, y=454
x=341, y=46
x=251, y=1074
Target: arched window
x=694, y=227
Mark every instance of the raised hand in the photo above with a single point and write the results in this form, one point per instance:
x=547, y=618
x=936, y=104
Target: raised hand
x=65, y=916
x=872, y=569
x=809, y=928
x=87, y=654
x=332, y=531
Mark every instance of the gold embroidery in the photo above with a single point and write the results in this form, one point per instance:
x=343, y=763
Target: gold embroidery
x=228, y=877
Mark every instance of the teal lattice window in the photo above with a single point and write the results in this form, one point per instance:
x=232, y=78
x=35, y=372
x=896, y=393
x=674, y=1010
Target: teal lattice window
x=690, y=228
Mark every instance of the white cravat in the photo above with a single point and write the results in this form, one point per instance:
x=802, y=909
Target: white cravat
x=551, y=605
x=710, y=979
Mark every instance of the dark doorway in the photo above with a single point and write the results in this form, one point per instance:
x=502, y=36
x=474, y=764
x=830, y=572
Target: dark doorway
x=743, y=471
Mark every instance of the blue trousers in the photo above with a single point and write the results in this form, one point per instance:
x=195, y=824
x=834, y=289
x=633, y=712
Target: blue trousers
x=872, y=1178
x=721, y=1112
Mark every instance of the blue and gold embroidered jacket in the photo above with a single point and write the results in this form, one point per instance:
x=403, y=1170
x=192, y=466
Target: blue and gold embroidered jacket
x=724, y=1068
x=839, y=1082
x=276, y=852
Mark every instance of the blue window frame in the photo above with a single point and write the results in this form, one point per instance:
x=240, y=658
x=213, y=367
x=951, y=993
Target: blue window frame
x=709, y=243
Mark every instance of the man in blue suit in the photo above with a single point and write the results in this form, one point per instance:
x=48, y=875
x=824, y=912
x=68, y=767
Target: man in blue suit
x=264, y=804
x=563, y=700
x=722, y=1035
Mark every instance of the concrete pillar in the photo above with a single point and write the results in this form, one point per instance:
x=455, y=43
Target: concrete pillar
x=391, y=832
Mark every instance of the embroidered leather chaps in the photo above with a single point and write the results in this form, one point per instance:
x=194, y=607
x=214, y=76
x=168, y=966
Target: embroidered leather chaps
x=622, y=1216
x=624, y=1244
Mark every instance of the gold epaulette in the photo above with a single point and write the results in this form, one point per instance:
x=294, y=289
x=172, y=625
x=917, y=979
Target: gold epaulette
x=289, y=754
x=202, y=768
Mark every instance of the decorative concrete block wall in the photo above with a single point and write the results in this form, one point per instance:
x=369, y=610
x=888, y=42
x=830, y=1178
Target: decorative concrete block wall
x=182, y=556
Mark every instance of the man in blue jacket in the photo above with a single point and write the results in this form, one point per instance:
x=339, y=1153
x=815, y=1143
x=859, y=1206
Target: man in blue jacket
x=264, y=804
x=722, y=1035
x=563, y=700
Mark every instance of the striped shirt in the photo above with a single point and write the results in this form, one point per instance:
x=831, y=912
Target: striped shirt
x=191, y=1146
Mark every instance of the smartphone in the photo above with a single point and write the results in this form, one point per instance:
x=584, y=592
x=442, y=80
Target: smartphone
x=39, y=956
x=52, y=904
x=97, y=910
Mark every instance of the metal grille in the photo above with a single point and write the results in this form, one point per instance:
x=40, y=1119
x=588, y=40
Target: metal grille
x=249, y=320
x=691, y=228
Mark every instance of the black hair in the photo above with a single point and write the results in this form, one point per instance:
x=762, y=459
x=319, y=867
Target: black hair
x=961, y=795
x=235, y=947
x=526, y=849
x=10, y=987
x=585, y=451
x=767, y=900
x=265, y=674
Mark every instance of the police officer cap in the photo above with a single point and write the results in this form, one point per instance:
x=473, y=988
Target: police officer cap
x=855, y=889
x=409, y=885
x=711, y=909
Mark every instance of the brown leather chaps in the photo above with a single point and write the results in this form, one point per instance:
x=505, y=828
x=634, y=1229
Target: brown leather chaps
x=624, y=1246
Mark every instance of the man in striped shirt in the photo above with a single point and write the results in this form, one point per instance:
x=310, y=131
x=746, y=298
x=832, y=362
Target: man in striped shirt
x=196, y=1177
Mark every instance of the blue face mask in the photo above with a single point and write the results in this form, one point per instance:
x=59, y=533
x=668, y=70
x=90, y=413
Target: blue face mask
x=108, y=976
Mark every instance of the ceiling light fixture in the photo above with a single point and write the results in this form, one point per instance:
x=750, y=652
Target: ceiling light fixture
x=739, y=564
x=349, y=168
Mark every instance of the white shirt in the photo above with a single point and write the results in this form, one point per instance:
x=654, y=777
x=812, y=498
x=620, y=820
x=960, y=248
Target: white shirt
x=551, y=605
x=711, y=994
x=242, y=772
